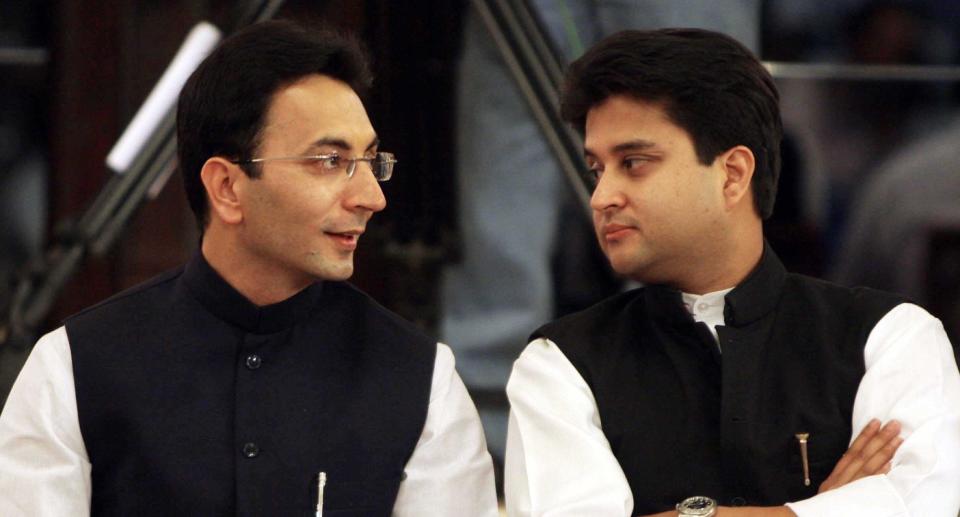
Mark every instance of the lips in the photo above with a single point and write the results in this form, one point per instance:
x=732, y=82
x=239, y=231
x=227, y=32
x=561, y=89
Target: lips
x=346, y=240
x=615, y=232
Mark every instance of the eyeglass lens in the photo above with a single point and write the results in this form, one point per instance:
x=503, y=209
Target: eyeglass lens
x=381, y=165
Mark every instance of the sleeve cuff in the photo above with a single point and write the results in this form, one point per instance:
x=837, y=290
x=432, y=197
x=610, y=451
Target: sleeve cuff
x=871, y=496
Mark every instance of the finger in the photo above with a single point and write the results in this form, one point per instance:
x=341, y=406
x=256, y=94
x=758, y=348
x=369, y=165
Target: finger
x=879, y=449
x=868, y=432
x=880, y=459
x=886, y=435
x=859, y=458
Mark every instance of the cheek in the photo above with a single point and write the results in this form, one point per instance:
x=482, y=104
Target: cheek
x=305, y=205
x=697, y=191
x=665, y=199
x=286, y=218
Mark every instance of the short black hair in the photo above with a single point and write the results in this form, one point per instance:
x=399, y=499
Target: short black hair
x=708, y=83
x=223, y=104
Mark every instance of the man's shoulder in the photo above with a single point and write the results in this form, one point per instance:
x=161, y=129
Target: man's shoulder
x=585, y=327
x=358, y=304
x=840, y=298
x=609, y=307
x=132, y=298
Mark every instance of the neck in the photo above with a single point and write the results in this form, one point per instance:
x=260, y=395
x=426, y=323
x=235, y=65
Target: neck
x=728, y=263
x=257, y=278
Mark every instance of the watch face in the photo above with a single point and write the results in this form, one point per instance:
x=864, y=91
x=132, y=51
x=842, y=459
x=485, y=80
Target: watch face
x=697, y=506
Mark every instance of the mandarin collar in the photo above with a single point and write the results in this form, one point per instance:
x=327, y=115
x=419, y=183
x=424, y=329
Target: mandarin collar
x=666, y=304
x=759, y=293
x=225, y=302
x=749, y=301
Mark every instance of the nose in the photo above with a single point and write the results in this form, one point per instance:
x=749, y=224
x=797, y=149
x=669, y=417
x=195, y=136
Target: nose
x=606, y=194
x=365, y=191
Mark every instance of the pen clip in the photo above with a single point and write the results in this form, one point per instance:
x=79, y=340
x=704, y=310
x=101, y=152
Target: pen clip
x=321, y=481
x=802, y=440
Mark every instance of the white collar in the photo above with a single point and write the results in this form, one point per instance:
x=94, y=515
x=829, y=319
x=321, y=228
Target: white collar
x=707, y=308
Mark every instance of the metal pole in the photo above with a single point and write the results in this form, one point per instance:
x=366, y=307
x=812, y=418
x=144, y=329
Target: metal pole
x=537, y=76
x=99, y=226
x=856, y=72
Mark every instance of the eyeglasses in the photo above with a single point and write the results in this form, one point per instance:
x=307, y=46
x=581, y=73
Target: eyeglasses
x=381, y=164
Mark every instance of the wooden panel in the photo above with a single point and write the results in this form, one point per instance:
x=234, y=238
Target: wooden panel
x=86, y=85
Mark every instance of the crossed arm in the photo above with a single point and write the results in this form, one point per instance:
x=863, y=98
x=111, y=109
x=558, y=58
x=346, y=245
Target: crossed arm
x=869, y=454
x=555, y=435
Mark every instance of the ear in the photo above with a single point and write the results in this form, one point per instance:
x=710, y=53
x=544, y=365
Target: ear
x=738, y=164
x=220, y=178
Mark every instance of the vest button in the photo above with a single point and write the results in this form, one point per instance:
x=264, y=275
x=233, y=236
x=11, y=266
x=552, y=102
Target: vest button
x=253, y=361
x=250, y=450
x=738, y=501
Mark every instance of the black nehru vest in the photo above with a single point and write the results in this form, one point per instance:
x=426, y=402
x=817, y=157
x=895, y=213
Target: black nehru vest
x=684, y=419
x=193, y=401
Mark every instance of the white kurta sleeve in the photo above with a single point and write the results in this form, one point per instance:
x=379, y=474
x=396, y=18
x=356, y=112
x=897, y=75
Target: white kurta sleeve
x=558, y=461
x=450, y=472
x=44, y=469
x=911, y=376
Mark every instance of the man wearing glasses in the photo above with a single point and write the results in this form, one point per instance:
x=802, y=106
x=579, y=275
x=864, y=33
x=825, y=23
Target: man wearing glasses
x=253, y=380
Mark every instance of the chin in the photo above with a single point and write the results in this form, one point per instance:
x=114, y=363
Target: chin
x=339, y=273
x=635, y=271
x=623, y=266
x=335, y=275
x=327, y=271
x=327, y=266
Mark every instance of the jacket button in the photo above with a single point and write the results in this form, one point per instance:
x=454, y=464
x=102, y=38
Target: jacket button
x=738, y=501
x=253, y=361
x=250, y=450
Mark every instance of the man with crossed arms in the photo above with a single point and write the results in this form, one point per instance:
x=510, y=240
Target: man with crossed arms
x=726, y=385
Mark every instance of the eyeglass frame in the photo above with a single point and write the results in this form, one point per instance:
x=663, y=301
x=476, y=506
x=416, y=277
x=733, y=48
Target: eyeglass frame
x=387, y=159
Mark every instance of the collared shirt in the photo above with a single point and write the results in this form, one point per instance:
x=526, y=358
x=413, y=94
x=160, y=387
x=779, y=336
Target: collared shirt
x=706, y=308
x=44, y=468
x=560, y=463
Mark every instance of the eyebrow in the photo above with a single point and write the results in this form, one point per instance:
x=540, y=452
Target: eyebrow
x=342, y=144
x=631, y=145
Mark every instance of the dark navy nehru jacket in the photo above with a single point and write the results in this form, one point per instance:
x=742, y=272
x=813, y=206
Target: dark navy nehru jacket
x=683, y=419
x=194, y=401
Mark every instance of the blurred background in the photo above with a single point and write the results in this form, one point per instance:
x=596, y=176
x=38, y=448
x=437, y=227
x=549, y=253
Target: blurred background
x=869, y=191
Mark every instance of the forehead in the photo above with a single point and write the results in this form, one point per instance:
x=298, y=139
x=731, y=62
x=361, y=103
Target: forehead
x=314, y=108
x=620, y=118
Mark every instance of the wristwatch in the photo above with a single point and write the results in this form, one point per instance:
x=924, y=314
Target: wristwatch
x=697, y=506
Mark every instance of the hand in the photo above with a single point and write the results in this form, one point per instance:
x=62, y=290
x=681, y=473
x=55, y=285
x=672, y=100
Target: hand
x=869, y=454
